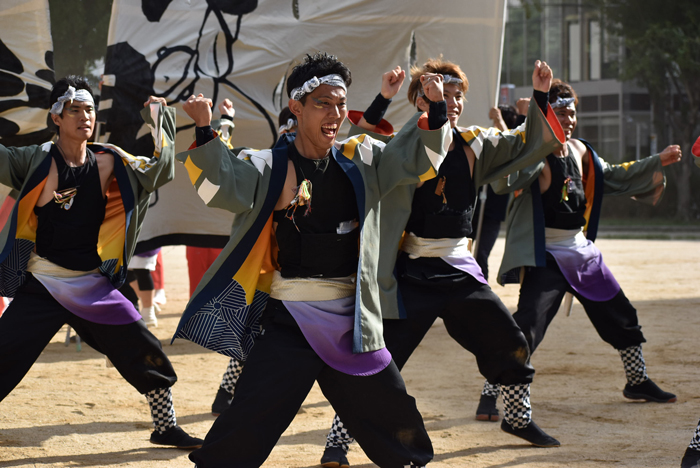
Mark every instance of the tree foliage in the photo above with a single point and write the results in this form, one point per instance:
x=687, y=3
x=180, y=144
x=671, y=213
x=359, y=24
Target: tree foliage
x=662, y=40
x=79, y=30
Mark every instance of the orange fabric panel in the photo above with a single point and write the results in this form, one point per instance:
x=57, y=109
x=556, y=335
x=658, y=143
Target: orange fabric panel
x=588, y=179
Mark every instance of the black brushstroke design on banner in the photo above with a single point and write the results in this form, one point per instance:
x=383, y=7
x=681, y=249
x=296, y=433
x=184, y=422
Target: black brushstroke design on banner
x=37, y=97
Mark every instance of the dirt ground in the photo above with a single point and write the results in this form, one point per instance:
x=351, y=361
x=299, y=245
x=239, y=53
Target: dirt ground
x=71, y=410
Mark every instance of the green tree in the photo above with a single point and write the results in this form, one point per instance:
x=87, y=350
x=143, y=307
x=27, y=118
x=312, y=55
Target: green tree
x=662, y=40
x=79, y=30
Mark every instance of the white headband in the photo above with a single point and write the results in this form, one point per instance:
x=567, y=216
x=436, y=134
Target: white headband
x=82, y=95
x=313, y=83
x=291, y=123
x=562, y=102
x=446, y=79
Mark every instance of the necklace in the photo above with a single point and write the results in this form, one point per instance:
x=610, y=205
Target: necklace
x=65, y=197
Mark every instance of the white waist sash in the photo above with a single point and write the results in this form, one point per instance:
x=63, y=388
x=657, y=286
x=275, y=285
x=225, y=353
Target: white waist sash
x=417, y=247
x=311, y=289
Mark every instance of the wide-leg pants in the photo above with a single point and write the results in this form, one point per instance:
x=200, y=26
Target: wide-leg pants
x=473, y=314
x=34, y=317
x=278, y=375
x=541, y=294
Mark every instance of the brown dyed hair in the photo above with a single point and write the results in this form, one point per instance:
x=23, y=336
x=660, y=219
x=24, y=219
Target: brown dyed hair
x=559, y=89
x=436, y=65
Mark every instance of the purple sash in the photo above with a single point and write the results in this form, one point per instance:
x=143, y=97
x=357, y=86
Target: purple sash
x=328, y=327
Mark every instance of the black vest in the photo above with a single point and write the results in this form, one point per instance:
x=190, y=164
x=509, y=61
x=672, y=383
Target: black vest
x=67, y=232
x=443, y=207
x=564, y=202
x=323, y=242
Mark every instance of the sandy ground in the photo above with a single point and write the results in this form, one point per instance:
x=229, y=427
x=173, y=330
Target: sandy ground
x=71, y=410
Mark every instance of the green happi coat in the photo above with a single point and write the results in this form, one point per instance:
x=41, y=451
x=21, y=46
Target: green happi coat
x=498, y=153
x=223, y=314
x=525, y=240
x=26, y=170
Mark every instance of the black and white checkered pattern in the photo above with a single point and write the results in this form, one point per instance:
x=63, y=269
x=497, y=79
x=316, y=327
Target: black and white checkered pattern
x=635, y=367
x=160, y=401
x=516, y=405
x=695, y=442
x=233, y=371
x=491, y=390
x=339, y=435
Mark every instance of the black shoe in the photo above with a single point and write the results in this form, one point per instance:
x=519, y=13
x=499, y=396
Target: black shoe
x=648, y=391
x=221, y=402
x=691, y=459
x=532, y=433
x=176, y=437
x=334, y=457
x=487, y=411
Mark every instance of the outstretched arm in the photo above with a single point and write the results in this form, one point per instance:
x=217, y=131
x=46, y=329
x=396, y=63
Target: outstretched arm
x=391, y=84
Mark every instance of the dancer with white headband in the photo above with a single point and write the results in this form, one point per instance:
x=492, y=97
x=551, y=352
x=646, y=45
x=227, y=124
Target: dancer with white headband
x=552, y=224
x=64, y=254
x=294, y=293
x=436, y=273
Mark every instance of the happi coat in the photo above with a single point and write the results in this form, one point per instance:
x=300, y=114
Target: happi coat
x=224, y=312
x=498, y=153
x=26, y=170
x=644, y=180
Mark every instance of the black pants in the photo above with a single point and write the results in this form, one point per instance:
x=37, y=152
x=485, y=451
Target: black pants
x=541, y=294
x=278, y=375
x=34, y=317
x=489, y=233
x=473, y=314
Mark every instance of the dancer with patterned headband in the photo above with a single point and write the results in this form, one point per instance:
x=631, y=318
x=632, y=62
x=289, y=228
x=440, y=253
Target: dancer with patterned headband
x=551, y=226
x=436, y=272
x=305, y=253
x=67, y=245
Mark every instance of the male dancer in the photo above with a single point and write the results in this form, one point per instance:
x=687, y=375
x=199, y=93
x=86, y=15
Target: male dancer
x=437, y=274
x=691, y=457
x=67, y=244
x=551, y=226
x=318, y=200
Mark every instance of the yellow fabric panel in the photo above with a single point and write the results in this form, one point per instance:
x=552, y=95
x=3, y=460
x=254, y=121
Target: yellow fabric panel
x=251, y=275
x=470, y=135
x=110, y=243
x=192, y=170
x=350, y=146
x=429, y=174
x=626, y=165
x=26, y=219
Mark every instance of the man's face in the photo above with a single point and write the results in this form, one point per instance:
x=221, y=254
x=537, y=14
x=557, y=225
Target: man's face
x=454, y=97
x=567, y=119
x=321, y=116
x=455, y=102
x=77, y=121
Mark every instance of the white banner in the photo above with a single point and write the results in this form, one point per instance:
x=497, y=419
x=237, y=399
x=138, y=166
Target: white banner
x=243, y=50
x=26, y=71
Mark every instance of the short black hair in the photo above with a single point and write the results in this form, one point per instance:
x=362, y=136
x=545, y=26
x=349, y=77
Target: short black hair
x=318, y=65
x=60, y=88
x=285, y=114
x=509, y=115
